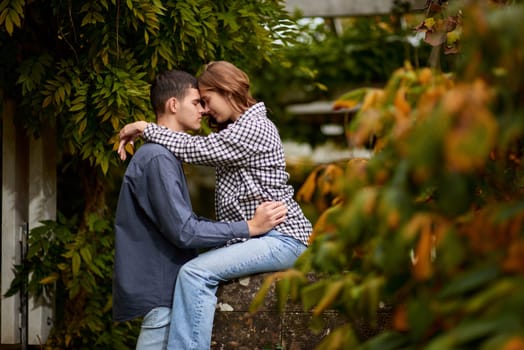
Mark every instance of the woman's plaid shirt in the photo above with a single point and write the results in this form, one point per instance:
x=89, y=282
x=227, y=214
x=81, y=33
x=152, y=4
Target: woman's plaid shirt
x=250, y=167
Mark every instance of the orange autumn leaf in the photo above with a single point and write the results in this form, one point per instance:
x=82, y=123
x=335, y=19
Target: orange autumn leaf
x=473, y=128
x=400, y=319
x=422, y=268
x=425, y=75
x=370, y=123
x=430, y=230
x=321, y=186
x=373, y=98
x=514, y=261
x=324, y=224
x=515, y=343
x=401, y=104
x=345, y=104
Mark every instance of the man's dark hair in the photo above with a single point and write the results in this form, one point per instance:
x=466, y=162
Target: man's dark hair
x=172, y=83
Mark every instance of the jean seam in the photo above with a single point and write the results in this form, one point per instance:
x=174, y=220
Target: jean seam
x=198, y=317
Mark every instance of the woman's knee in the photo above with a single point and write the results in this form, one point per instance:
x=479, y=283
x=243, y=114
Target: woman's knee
x=193, y=271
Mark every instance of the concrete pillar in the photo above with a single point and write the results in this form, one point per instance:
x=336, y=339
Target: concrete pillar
x=14, y=216
x=42, y=206
x=28, y=197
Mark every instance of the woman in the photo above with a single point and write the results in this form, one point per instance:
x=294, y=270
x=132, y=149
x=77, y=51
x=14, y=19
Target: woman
x=250, y=169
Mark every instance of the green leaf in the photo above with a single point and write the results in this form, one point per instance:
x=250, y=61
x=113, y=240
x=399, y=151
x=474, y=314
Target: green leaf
x=282, y=290
x=313, y=293
x=77, y=107
x=468, y=281
x=86, y=254
x=4, y=4
x=466, y=333
x=259, y=298
x=340, y=338
x=330, y=295
x=8, y=24
x=75, y=263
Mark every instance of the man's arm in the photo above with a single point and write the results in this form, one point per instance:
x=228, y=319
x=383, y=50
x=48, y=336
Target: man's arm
x=267, y=215
x=171, y=210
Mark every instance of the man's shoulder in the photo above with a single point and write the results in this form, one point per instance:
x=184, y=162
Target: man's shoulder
x=149, y=149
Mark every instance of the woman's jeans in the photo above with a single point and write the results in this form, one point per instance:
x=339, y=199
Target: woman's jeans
x=194, y=299
x=154, y=329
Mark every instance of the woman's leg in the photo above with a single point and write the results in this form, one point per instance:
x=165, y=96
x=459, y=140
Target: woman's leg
x=194, y=299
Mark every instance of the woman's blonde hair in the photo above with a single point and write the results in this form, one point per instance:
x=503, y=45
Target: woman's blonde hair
x=229, y=81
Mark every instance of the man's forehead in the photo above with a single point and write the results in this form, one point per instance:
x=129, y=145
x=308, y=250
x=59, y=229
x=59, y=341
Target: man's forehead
x=193, y=93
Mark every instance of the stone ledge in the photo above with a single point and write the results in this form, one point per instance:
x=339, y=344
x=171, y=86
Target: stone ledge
x=235, y=328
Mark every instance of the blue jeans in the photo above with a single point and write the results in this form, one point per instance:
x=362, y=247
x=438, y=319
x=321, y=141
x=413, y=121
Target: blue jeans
x=154, y=329
x=194, y=300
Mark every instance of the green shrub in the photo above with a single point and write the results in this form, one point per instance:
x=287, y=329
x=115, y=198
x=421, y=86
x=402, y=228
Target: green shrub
x=435, y=229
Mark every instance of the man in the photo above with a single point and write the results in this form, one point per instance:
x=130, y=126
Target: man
x=156, y=231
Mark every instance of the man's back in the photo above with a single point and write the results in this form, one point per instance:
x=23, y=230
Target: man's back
x=156, y=232
x=146, y=261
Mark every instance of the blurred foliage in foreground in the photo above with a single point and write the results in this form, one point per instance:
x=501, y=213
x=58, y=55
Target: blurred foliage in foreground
x=432, y=224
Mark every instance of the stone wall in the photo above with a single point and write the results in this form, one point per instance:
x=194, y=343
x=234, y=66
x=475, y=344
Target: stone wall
x=267, y=329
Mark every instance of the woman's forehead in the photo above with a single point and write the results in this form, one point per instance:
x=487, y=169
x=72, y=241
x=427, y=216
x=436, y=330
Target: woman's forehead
x=206, y=93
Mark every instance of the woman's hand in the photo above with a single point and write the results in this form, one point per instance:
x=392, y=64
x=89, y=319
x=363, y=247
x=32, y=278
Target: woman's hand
x=128, y=134
x=267, y=215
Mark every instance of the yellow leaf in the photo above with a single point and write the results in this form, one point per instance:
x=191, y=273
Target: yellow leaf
x=49, y=279
x=130, y=149
x=452, y=37
x=429, y=22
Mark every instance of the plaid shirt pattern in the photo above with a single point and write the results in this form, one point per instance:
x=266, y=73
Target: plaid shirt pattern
x=250, y=167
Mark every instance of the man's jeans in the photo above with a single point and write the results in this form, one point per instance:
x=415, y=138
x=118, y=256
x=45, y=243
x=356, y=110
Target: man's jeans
x=194, y=299
x=155, y=328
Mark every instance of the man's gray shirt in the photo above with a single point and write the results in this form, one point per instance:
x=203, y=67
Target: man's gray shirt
x=156, y=232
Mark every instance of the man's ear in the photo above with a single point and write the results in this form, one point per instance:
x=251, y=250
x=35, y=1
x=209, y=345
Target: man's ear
x=171, y=105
